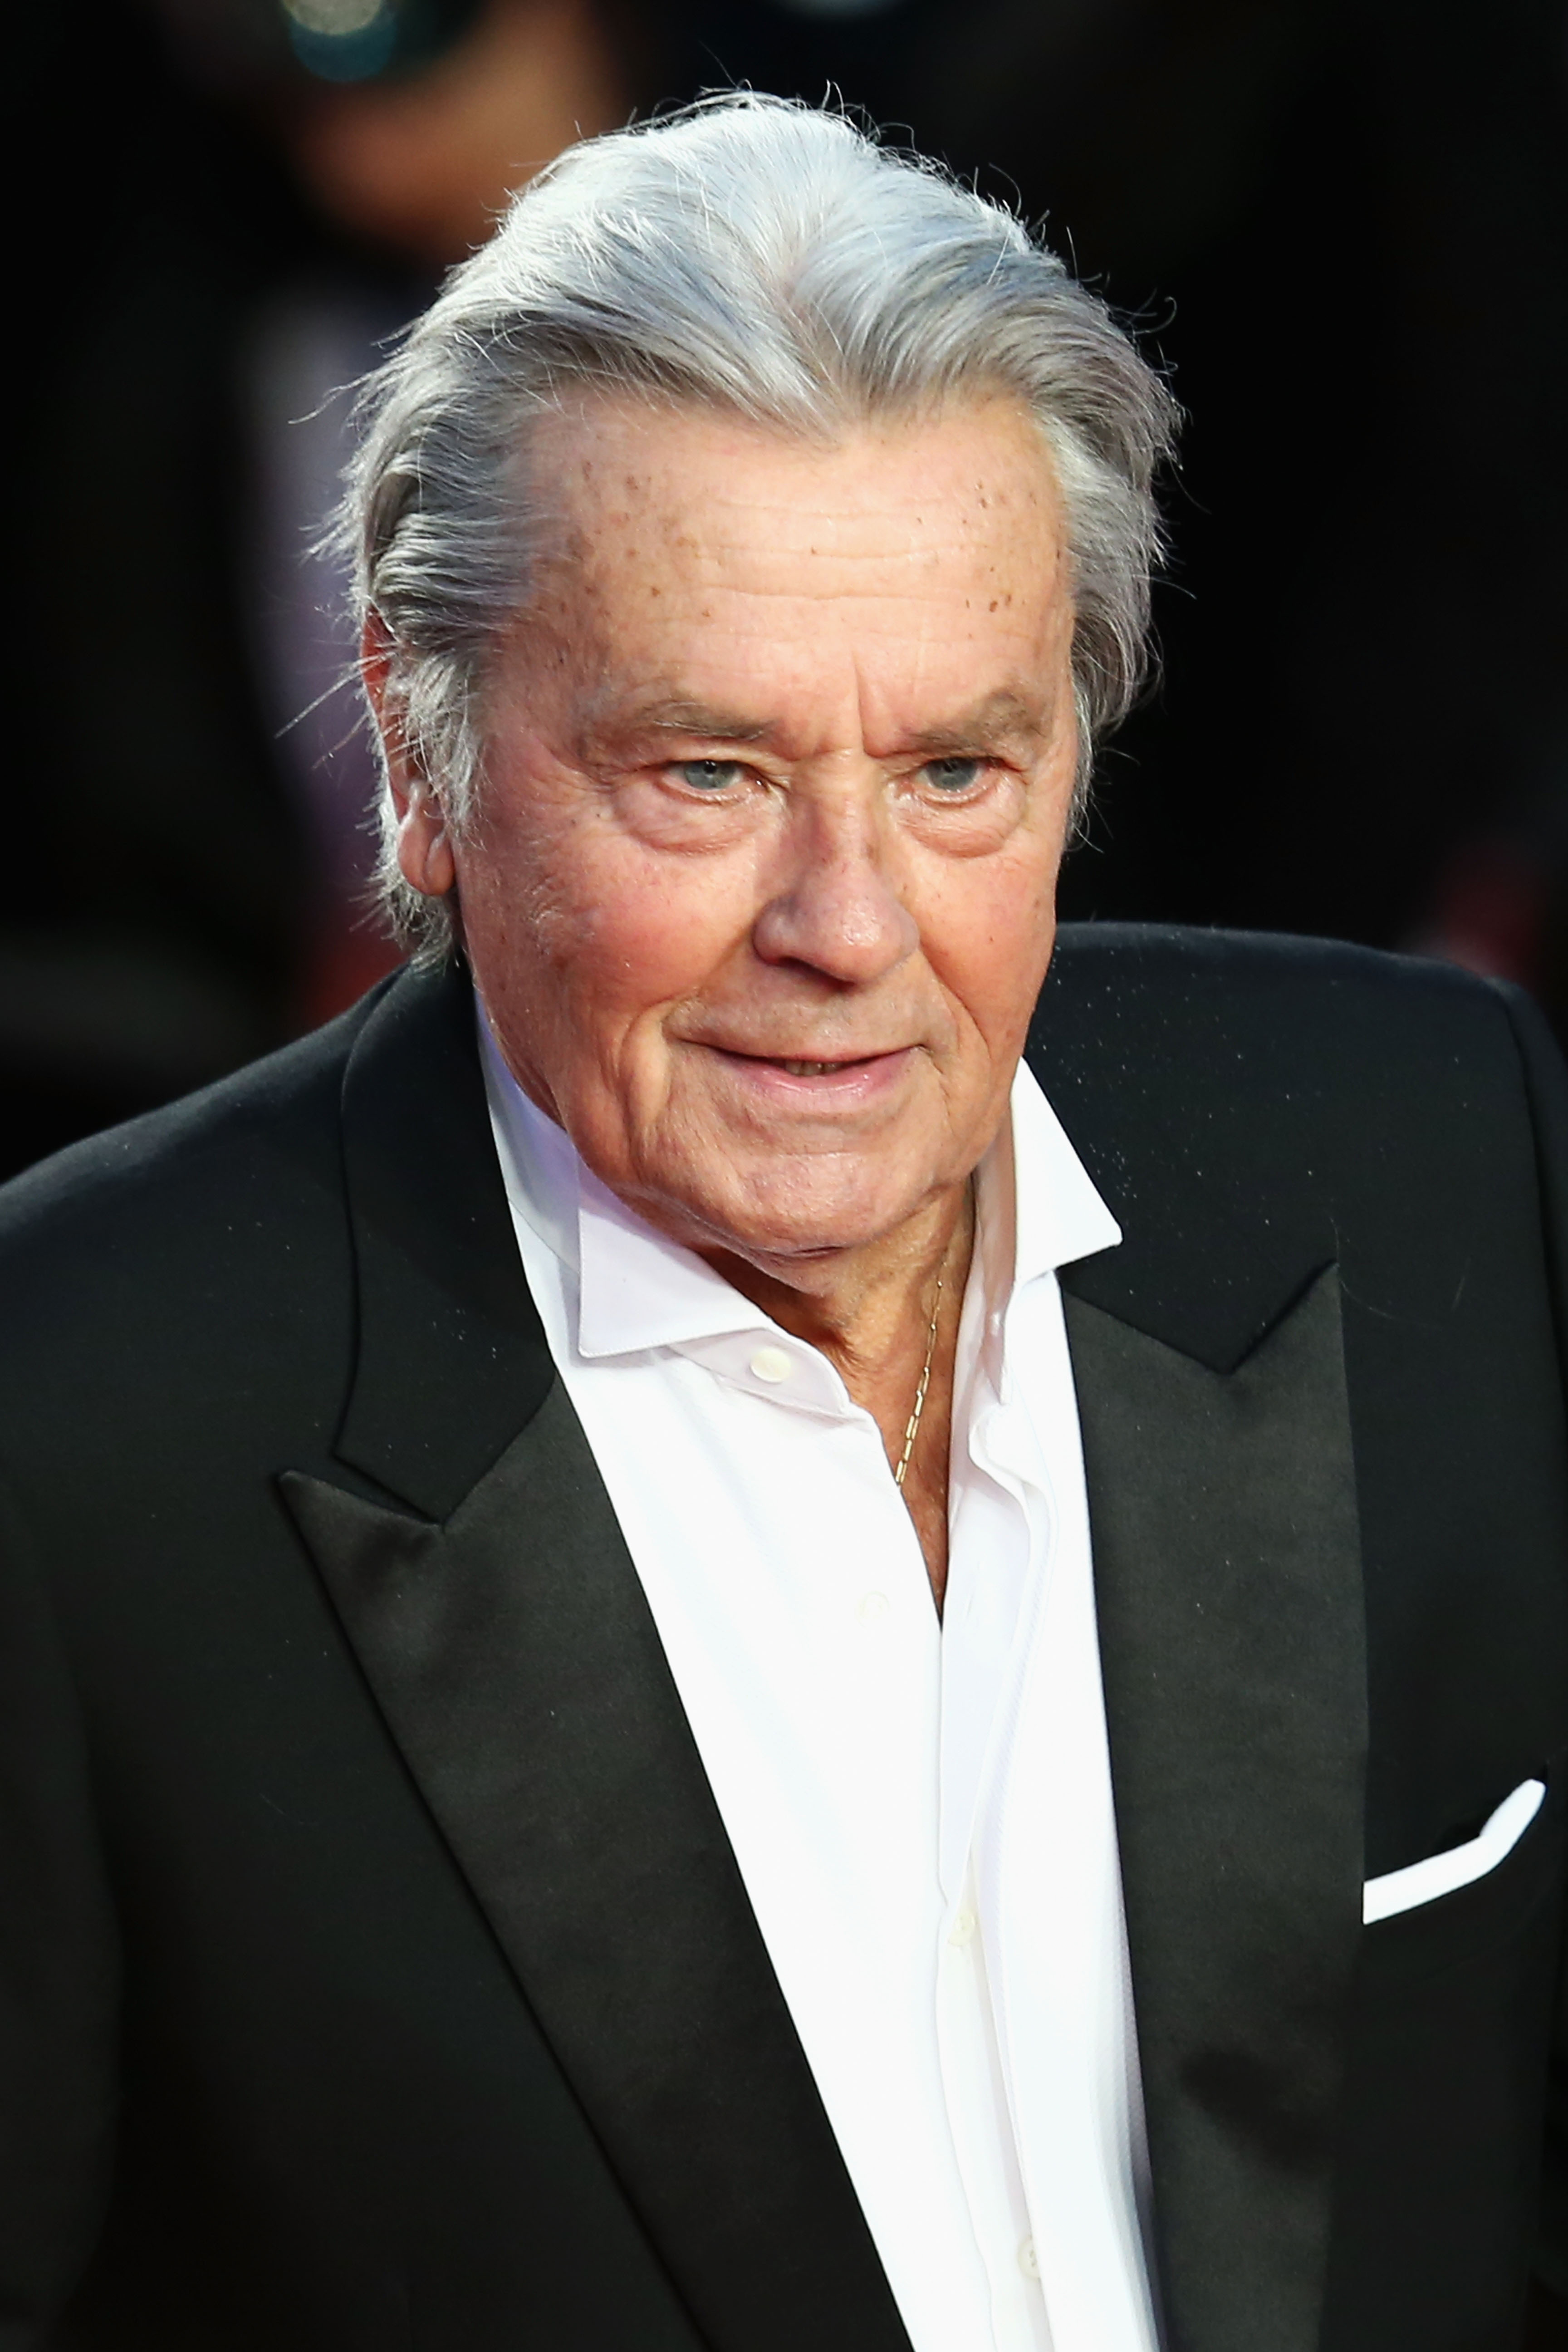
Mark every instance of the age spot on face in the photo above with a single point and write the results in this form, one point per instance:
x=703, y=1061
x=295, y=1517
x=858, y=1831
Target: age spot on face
x=777, y=790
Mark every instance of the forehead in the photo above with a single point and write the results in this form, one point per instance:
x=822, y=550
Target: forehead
x=610, y=457
x=698, y=551
x=975, y=481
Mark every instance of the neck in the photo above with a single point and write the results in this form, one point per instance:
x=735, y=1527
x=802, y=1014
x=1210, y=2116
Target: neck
x=887, y=1327
x=866, y=1311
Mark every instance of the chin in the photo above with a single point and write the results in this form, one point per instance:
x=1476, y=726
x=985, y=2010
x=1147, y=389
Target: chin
x=798, y=1223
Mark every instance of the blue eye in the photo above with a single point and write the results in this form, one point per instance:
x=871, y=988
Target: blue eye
x=954, y=775
x=710, y=775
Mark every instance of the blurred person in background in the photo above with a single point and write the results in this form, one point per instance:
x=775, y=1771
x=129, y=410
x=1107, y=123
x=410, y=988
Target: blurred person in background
x=1344, y=227
x=263, y=203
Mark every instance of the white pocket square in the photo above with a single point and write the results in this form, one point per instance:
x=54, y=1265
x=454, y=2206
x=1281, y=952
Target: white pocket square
x=1441, y=1873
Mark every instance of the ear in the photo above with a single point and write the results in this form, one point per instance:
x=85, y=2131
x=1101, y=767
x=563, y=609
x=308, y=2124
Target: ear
x=424, y=846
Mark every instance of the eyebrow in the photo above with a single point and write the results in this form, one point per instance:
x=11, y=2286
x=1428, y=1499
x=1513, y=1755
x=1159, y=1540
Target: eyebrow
x=1001, y=719
x=674, y=715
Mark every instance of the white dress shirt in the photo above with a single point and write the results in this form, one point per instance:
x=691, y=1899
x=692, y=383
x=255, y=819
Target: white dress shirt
x=921, y=1807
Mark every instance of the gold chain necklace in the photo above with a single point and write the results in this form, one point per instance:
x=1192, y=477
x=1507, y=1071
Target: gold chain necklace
x=912, y=1429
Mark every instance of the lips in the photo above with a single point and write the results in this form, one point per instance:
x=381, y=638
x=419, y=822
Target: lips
x=841, y=1086
x=802, y=1065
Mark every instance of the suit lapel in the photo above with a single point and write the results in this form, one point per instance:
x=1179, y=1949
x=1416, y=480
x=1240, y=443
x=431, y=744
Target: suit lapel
x=504, y=1633
x=452, y=1358
x=1228, y=1583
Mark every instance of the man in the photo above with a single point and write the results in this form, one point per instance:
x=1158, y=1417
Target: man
x=503, y=1848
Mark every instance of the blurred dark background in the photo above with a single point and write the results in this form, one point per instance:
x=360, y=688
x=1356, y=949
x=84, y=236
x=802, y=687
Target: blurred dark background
x=1341, y=228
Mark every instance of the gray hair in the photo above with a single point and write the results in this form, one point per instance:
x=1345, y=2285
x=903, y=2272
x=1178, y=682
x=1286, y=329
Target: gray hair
x=758, y=256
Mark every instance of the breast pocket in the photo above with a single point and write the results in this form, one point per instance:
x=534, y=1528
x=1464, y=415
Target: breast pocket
x=1447, y=2058
x=1475, y=1898
x=1460, y=1866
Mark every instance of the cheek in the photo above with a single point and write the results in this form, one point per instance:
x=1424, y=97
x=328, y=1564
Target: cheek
x=989, y=942
x=579, y=917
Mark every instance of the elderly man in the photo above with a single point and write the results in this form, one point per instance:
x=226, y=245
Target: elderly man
x=696, y=1657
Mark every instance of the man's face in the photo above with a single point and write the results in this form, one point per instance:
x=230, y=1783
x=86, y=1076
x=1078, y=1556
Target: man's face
x=779, y=765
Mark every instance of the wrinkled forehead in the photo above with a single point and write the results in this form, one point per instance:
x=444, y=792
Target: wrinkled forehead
x=644, y=503
x=713, y=578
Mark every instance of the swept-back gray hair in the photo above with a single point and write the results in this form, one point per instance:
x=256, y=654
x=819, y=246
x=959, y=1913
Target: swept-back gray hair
x=762, y=258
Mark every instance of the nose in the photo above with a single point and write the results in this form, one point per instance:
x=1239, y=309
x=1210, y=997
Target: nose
x=838, y=911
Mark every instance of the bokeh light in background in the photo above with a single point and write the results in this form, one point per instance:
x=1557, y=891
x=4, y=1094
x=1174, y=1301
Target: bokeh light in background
x=1343, y=227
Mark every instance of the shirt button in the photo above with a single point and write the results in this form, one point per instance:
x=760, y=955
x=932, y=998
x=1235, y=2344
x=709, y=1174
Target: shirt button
x=773, y=1365
x=872, y=1607
x=1028, y=2260
x=962, y=1928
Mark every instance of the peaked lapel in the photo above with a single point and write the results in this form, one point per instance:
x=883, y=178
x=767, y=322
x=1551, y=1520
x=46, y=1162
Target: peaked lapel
x=1227, y=1576
x=503, y=1631
x=452, y=1358
x=1209, y=1367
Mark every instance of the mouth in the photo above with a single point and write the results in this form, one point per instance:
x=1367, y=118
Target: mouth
x=796, y=1066
x=839, y=1085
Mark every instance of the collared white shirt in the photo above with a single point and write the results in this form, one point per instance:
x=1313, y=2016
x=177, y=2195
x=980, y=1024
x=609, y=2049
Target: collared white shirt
x=921, y=1807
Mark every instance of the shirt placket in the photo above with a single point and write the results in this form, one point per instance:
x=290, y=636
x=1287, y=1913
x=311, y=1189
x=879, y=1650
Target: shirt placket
x=1007, y=1526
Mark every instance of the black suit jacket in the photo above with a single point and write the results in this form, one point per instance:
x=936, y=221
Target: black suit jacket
x=377, y=1973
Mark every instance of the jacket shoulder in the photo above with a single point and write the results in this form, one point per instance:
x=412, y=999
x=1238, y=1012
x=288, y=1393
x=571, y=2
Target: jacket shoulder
x=1144, y=971
x=1253, y=1106
x=129, y=1228
x=1196, y=1023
